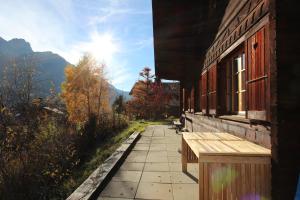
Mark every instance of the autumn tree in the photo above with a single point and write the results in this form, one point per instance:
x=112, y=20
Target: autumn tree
x=140, y=105
x=160, y=98
x=85, y=90
x=149, y=97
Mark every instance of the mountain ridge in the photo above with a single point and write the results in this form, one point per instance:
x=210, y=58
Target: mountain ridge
x=50, y=65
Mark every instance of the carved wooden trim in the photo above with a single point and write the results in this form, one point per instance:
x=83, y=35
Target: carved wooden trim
x=246, y=18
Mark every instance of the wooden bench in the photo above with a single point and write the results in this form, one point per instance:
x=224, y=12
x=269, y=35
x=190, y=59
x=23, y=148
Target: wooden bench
x=229, y=167
x=177, y=125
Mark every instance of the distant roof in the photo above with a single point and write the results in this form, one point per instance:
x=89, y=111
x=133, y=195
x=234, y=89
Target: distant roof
x=166, y=85
x=54, y=110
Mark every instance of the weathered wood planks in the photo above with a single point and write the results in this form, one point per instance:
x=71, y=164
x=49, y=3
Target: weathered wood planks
x=229, y=167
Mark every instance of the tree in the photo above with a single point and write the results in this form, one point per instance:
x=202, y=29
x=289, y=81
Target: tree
x=85, y=90
x=149, y=97
x=119, y=104
x=36, y=151
x=18, y=83
x=160, y=98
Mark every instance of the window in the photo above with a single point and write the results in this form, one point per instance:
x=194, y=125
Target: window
x=239, y=84
x=235, y=83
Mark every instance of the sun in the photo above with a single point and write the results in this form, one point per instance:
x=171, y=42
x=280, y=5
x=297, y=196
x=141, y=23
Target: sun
x=102, y=47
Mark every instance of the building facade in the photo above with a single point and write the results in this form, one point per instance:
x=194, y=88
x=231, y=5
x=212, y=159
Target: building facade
x=237, y=65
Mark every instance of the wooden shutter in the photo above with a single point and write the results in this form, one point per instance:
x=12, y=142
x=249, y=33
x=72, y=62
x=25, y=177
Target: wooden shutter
x=184, y=97
x=181, y=98
x=257, y=76
x=204, y=92
x=212, y=91
x=189, y=99
x=197, y=94
x=193, y=99
x=222, y=88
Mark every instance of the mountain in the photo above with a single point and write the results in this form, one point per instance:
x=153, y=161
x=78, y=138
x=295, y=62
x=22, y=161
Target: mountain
x=116, y=92
x=50, y=66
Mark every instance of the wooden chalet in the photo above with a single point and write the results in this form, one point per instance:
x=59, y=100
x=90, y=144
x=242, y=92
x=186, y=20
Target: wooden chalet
x=238, y=66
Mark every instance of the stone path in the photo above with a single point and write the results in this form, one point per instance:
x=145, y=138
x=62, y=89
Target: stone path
x=153, y=170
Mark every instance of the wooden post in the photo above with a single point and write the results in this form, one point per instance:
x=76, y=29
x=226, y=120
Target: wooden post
x=200, y=180
x=183, y=155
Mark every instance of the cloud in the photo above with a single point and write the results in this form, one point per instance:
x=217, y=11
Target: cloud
x=104, y=47
x=113, y=10
x=111, y=30
x=143, y=43
x=106, y=14
x=36, y=22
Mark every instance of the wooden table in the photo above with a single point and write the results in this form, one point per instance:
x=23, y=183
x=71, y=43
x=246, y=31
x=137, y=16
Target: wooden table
x=229, y=167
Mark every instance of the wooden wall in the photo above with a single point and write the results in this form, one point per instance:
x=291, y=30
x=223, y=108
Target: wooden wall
x=275, y=91
x=285, y=98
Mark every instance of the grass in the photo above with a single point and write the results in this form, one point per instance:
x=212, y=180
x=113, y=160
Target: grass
x=102, y=151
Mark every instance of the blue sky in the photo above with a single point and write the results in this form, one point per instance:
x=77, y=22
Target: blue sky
x=117, y=32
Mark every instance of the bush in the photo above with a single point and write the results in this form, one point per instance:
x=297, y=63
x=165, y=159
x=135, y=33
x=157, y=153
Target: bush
x=39, y=151
x=35, y=156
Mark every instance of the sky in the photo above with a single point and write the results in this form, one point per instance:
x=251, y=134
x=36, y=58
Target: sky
x=116, y=32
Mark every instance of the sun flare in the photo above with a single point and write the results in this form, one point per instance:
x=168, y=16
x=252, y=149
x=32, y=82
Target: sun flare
x=102, y=47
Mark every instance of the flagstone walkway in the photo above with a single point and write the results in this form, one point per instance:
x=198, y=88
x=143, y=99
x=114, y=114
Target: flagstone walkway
x=152, y=170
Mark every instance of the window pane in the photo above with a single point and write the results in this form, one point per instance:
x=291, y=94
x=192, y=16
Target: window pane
x=235, y=66
x=243, y=80
x=243, y=61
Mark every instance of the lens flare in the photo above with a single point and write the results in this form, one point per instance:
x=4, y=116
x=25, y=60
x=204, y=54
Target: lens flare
x=222, y=177
x=253, y=197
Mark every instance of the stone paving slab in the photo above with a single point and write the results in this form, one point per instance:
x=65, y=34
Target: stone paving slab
x=185, y=191
x=174, y=159
x=141, y=147
x=132, y=166
x=130, y=176
x=144, y=140
x=177, y=167
x=157, y=167
x=157, y=153
x=158, y=147
x=179, y=177
x=120, y=189
x=154, y=191
x=108, y=198
x=155, y=158
x=156, y=177
x=137, y=156
x=153, y=170
x=173, y=153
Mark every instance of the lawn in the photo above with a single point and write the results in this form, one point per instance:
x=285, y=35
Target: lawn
x=101, y=152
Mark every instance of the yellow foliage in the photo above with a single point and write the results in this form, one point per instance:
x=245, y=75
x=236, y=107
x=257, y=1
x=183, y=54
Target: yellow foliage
x=85, y=90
